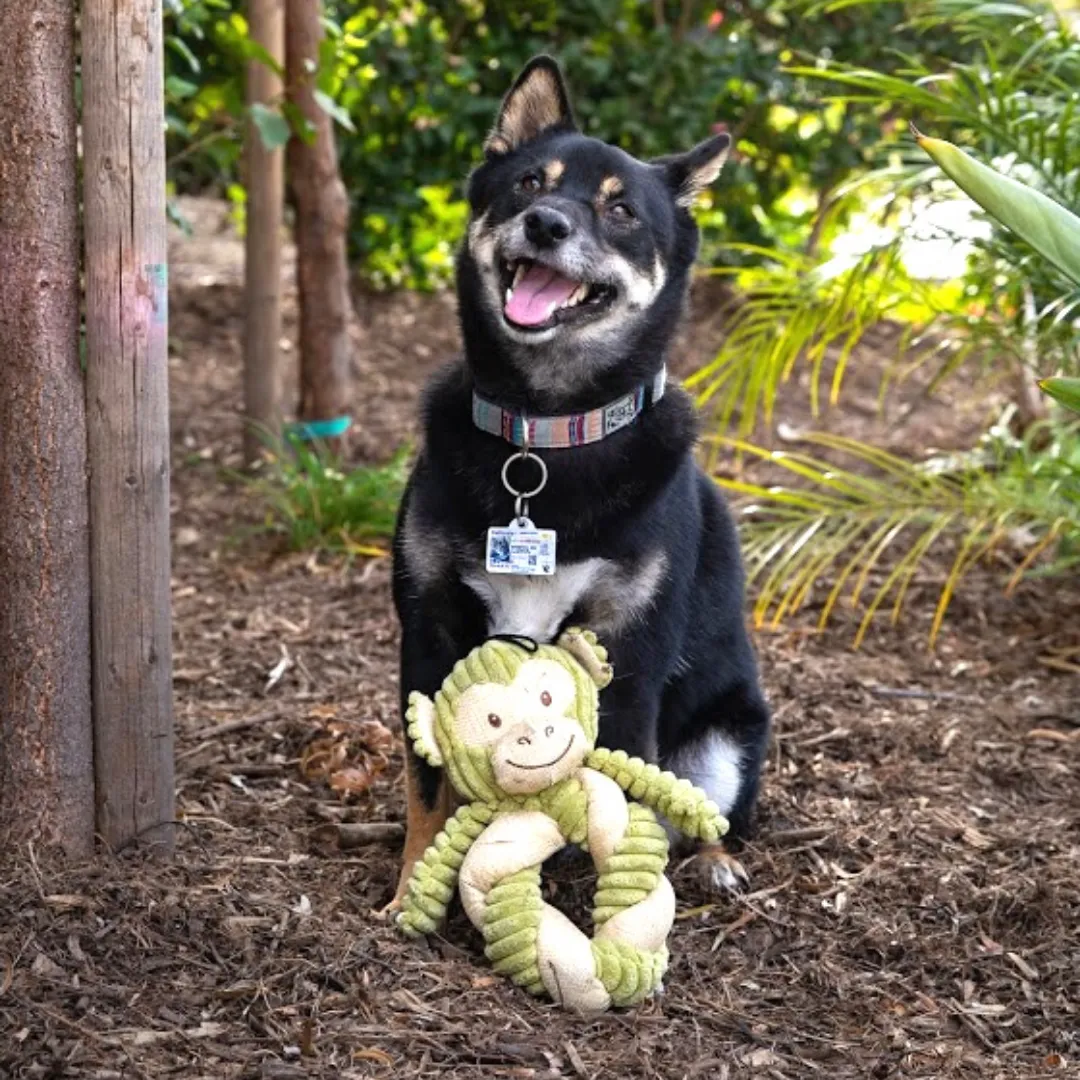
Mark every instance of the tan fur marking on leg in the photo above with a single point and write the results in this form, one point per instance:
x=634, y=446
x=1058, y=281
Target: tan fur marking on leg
x=720, y=869
x=421, y=824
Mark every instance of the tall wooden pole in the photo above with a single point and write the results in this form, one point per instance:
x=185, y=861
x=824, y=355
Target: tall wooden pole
x=322, y=218
x=262, y=270
x=46, y=747
x=128, y=417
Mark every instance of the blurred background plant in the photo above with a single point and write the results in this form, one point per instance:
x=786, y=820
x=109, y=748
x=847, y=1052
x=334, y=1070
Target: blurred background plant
x=419, y=83
x=829, y=222
x=860, y=522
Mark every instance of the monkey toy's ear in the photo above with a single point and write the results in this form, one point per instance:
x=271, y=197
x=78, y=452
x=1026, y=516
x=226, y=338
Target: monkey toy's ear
x=589, y=653
x=420, y=724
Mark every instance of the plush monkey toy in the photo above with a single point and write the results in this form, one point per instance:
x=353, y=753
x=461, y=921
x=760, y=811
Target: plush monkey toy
x=515, y=727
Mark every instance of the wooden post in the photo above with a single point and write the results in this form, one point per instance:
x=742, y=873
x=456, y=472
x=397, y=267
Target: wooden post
x=322, y=217
x=128, y=417
x=262, y=252
x=46, y=747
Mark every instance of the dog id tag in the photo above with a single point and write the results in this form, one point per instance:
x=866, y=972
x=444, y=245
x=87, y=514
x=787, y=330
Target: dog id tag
x=521, y=548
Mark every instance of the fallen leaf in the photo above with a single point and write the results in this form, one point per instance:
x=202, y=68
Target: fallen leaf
x=373, y=1053
x=208, y=1029
x=761, y=1058
x=67, y=901
x=279, y=669
x=353, y=781
x=45, y=967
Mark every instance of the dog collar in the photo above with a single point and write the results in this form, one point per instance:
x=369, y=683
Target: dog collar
x=577, y=429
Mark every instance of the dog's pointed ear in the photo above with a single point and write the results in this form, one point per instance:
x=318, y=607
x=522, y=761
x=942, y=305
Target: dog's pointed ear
x=691, y=173
x=537, y=102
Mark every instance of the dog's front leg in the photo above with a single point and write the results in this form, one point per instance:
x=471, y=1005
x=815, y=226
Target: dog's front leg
x=629, y=714
x=439, y=626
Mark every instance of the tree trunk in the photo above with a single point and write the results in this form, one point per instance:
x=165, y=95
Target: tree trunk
x=128, y=417
x=46, y=746
x=262, y=253
x=322, y=215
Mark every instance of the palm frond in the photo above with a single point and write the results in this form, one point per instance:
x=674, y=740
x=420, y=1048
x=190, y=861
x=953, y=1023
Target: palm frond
x=1018, y=101
x=859, y=534
x=798, y=310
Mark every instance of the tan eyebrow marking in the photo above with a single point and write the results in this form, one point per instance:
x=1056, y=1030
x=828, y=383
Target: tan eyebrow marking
x=553, y=172
x=610, y=187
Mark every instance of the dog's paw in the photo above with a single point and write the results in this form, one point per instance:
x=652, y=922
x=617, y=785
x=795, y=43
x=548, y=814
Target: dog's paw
x=389, y=912
x=720, y=871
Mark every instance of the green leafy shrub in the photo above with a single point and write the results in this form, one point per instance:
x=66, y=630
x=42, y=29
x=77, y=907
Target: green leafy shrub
x=315, y=503
x=856, y=523
x=418, y=83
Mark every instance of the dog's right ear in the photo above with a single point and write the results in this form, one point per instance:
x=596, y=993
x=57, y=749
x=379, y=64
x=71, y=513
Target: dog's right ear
x=537, y=102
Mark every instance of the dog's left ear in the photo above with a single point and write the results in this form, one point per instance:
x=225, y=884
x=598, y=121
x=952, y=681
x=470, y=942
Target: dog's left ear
x=691, y=173
x=537, y=102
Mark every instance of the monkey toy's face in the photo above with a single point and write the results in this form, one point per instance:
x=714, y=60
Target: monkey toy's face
x=530, y=727
x=526, y=733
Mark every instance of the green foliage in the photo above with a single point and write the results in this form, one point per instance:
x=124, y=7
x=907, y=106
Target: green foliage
x=856, y=523
x=415, y=86
x=859, y=534
x=316, y=504
x=795, y=310
x=1063, y=389
x=273, y=128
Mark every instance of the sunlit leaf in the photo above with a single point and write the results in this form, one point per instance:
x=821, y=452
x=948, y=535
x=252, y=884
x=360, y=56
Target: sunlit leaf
x=1047, y=226
x=272, y=127
x=1063, y=389
x=334, y=110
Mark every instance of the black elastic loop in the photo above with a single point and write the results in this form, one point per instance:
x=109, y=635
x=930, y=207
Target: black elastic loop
x=520, y=640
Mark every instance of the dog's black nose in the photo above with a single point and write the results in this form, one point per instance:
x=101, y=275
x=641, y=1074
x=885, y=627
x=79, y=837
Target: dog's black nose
x=545, y=226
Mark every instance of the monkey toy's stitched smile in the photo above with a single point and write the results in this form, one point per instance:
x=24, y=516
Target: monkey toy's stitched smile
x=546, y=764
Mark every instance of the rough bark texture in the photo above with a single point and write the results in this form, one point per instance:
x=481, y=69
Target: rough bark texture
x=46, y=756
x=128, y=417
x=262, y=269
x=322, y=215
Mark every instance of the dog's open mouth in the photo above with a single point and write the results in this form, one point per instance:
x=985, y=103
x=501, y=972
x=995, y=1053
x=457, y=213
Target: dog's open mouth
x=538, y=297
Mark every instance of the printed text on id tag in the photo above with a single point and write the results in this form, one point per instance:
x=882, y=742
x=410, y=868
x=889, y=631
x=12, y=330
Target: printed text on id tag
x=521, y=548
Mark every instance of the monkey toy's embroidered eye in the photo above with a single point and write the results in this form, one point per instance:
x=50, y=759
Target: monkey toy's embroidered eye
x=494, y=721
x=545, y=698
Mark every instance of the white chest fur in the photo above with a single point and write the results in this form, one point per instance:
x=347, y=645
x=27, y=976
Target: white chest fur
x=535, y=606
x=611, y=595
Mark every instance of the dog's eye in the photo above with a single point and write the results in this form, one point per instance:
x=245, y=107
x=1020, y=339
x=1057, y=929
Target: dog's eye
x=545, y=698
x=531, y=182
x=621, y=212
x=494, y=720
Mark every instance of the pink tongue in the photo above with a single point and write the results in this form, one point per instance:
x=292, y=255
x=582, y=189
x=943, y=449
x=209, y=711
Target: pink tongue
x=539, y=292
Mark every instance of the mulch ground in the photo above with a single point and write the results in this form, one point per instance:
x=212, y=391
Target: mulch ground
x=915, y=900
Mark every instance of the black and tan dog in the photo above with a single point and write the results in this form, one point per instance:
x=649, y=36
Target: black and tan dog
x=571, y=283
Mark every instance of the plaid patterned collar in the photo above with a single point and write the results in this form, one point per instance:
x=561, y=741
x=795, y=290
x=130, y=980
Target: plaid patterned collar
x=550, y=432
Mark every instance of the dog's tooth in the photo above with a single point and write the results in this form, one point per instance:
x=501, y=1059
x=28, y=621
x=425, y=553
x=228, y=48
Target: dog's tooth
x=509, y=293
x=518, y=274
x=578, y=294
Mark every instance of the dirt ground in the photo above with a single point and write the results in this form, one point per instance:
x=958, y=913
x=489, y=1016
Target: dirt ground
x=914, y=908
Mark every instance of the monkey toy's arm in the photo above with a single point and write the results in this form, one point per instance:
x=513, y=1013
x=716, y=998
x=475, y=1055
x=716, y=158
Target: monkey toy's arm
x=435, y=876
x=685, y=806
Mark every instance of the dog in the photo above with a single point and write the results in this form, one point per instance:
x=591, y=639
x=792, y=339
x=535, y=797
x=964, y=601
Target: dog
x=571, y=283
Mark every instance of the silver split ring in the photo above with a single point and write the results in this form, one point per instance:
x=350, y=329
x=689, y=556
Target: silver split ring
x=525, y=455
